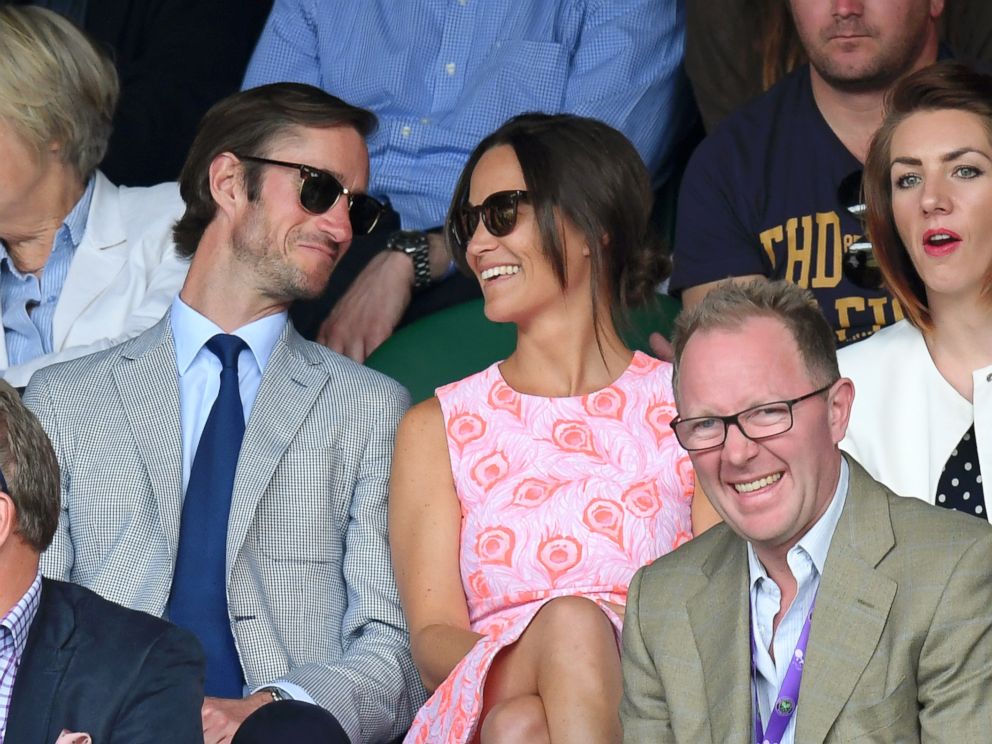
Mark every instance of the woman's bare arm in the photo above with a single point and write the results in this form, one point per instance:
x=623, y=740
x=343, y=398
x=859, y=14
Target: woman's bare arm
x=424, y=532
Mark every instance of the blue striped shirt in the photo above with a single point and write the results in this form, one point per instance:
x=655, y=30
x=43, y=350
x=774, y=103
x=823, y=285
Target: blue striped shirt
x=805, y=559
x=29, y=301
x=13, y=638
x=442, y=74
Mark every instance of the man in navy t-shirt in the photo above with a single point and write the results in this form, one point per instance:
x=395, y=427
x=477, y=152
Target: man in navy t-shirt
x=774, y=191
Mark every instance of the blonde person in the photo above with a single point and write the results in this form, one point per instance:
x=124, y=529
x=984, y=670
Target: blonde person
x=83, y=264
x=524, y=497
x=922, y=420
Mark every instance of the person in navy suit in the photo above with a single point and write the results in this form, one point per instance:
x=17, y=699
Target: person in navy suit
x=71, y=661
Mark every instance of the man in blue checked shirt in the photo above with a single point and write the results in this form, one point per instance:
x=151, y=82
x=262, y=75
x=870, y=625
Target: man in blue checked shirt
x=440, y=75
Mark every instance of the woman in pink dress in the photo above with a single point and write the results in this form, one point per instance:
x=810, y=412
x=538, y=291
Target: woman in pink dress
x=524, y=497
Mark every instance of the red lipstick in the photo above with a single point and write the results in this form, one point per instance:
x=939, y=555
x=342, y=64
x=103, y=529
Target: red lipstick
x=940, y=242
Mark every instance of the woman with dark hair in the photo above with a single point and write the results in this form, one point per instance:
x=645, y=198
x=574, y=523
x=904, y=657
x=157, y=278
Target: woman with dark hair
x=524, y=497
x=922, y=420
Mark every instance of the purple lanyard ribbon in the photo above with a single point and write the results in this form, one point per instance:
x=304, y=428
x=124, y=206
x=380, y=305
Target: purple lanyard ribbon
x=788, y=694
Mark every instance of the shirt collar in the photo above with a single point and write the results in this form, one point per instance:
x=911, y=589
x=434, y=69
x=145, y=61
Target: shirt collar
x=816, y=542
x=74, y=225
x=75, y=221
x=19, y=618
x=191, y=330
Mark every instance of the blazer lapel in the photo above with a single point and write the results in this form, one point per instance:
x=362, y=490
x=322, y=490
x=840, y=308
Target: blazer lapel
x=148, y=384
x=46, y=658
x=852, y=607
x=720, y=618
x=290, y=385
x=99, y=258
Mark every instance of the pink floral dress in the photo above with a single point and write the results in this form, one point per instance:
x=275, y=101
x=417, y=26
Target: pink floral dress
x=559, y=496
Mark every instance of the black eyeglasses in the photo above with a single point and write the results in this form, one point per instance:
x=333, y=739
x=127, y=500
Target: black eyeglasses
x=3, y=484
x=759, y=422
x=860, y=265
x=498, y=212
x=319, y=191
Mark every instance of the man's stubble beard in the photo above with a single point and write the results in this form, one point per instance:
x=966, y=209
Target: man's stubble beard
x=254, y=246
x=892, y=62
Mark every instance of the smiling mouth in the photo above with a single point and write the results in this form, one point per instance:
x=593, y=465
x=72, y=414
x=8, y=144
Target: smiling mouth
x=494, y=271
x=755, y=485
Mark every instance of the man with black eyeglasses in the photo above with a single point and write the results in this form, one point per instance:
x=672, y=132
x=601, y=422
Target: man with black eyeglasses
x=877, y=608
x=775, y=190
x=223, y=472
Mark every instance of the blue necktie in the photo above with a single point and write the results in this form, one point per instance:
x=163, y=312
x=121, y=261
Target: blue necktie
x=199, y=595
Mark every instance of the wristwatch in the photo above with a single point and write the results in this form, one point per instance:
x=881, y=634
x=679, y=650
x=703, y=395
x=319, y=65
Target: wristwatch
x=275, y=692
x=414, y=244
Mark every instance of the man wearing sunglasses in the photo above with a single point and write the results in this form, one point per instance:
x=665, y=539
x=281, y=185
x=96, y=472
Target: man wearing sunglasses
x=441, y=76
x=775, y=191
x=223, y=472
x=877, y=608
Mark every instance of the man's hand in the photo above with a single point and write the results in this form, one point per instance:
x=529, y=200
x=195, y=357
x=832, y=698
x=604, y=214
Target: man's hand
x=222, y=717
x=661, y=347
x=368, y=312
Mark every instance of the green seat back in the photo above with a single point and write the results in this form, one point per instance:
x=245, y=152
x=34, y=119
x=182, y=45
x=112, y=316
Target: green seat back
x=458, y=341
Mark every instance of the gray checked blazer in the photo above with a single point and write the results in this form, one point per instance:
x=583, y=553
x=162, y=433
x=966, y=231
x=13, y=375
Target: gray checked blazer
x=310, y=586
x=900, y=650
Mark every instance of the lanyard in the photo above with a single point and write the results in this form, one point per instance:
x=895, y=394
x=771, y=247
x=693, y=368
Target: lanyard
x=788, y=694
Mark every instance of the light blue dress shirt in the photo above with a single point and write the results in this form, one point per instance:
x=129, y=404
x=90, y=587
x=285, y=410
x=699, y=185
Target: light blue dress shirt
x=805, y=559
x=14, y=627
x=199, y=368
x=28, y=335
x=199, y=382
x=442, y=74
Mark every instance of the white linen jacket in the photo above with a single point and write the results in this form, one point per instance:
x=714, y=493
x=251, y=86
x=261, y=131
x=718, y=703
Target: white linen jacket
x=907, y=418
x=122, y=279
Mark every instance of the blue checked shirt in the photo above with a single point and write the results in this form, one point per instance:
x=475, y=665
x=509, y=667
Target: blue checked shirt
x=805, y=559
x=442, y=74
x=28, y=335
x=13, y=638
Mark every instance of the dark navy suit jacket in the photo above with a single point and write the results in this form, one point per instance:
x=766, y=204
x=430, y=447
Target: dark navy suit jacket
x=123, y=677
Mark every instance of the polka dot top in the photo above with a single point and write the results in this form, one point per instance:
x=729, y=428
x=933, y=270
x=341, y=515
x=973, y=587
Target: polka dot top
x=960, y=485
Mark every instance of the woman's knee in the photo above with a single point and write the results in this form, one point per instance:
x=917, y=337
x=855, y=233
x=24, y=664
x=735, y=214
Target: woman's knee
x=517, y=719
x=575, y=618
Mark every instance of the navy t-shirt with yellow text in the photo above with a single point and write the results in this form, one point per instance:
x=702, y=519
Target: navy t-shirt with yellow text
x=760, y=196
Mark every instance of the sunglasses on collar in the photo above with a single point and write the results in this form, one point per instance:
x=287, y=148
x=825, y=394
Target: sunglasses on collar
x=319, y=191
x=860, y=265
x=498, y=213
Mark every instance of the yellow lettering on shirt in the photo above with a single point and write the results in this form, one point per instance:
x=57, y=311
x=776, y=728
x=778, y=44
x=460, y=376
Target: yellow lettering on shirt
x=798, y=260
x=769, y=238
x=827, y=273
x=844, y=306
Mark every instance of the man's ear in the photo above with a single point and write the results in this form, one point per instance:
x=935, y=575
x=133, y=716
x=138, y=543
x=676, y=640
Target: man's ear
x=226, y=177
x=8, y=517
x=839, y=402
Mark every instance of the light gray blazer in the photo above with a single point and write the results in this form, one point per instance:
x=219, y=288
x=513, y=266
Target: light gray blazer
x=311, y=592
x=900, y=649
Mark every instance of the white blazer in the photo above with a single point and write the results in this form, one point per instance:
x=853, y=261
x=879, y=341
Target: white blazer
x=907, y=418
x=122, y=279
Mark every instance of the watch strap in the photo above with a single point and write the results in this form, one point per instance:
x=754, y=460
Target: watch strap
x=414, y=243
x=275, y=692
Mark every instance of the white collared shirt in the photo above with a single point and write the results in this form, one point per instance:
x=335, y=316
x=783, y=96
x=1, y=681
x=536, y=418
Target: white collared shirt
x=805, y=559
